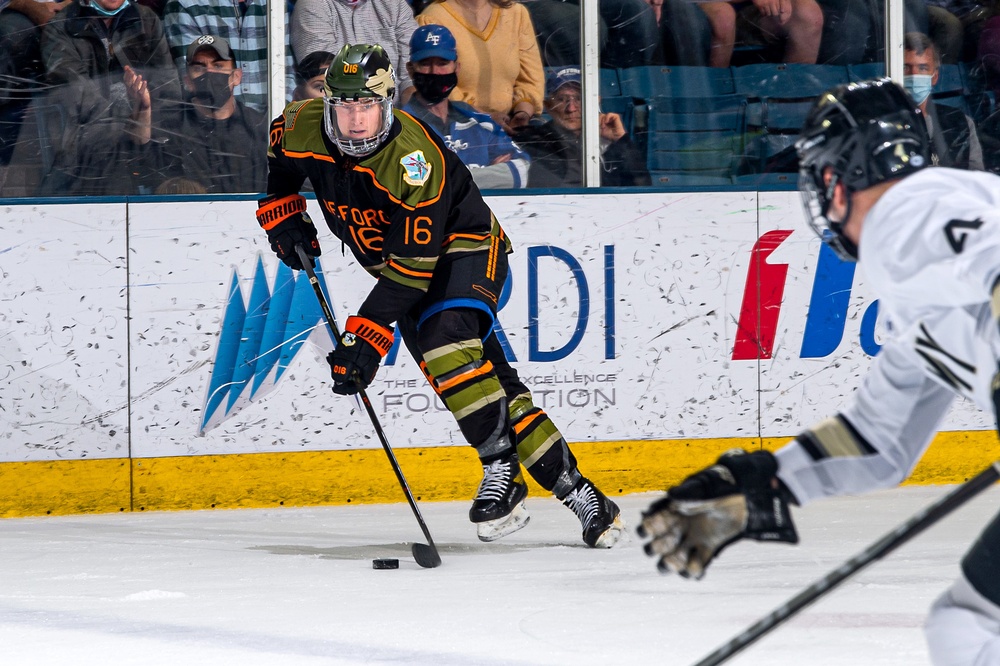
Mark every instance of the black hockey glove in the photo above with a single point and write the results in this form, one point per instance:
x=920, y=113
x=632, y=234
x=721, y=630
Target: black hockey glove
x=738, y=497
x=287, y=223
x=354, y=362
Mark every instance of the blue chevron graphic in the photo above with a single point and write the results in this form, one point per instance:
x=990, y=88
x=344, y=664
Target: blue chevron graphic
x=260, y=338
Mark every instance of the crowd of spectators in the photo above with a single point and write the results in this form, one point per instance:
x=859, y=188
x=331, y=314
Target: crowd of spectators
x=144, y=96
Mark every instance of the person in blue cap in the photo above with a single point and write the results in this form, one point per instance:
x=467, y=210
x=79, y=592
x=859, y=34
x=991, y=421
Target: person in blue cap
x=556, y=147
x=495, y=161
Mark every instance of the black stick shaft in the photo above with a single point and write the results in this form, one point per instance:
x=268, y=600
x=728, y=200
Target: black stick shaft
x=890, y=542
x=332, y=323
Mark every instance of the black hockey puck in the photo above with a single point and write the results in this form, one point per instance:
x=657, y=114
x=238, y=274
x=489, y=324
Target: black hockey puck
x=385, y=564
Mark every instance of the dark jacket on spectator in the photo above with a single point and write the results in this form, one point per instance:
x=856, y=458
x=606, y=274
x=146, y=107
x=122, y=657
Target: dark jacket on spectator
x=557, y=159
x=85, y=62
x=226, y=156
x=953, y=137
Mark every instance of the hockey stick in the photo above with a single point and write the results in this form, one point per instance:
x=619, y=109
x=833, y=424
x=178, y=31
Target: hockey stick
x=890, y=542
x=426, y=555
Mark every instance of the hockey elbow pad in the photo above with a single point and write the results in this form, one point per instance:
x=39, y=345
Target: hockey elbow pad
x=287, y=224
x=738, y=497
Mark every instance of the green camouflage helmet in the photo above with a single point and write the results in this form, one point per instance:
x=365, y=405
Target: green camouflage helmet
x=360, y=70
x=360, y=76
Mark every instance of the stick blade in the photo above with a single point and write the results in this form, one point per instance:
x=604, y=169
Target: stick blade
x=426, y=556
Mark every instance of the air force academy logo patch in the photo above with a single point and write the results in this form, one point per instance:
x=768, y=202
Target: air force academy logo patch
x=417, y=169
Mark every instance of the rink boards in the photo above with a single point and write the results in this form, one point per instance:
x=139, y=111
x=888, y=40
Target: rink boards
x=158, y=356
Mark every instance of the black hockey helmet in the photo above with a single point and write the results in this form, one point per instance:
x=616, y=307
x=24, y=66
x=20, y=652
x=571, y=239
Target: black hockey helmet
x=360, y=76
x=867, y=133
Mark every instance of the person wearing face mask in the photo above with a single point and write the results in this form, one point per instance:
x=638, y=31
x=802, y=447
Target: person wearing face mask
x=954, y=141
x=219, y=138
x=556, y=147
x=495, y=161
x=109, y=69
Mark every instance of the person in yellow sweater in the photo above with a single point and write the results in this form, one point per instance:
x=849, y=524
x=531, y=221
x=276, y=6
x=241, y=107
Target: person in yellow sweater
x=501, y=70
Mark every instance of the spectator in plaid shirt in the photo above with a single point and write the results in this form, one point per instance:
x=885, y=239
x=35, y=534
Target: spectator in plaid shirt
x=243, y=24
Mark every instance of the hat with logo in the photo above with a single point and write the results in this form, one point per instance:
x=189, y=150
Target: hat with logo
x=561, y=77
x=432, y=41
x=217, y=44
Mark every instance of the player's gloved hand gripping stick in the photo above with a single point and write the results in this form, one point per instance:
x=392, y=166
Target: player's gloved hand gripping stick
x=288, y=224
x=739, y=497
x=426, y=555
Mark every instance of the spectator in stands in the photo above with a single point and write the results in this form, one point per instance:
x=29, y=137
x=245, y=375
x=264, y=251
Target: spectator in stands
x=156, y=5
x=854, y=32
x=327, y=25
x=557, y=30
x=219, y=140
x=955, y=27
x=21, y=66
x=694, y=34
x=795, y=25
x=502, y=71
x=989, y=60
x=112, y=76
x=556, y=150
x=633, y=35
x=494, y=160
x=309, y=75
x=954, y=141
x=243, y=25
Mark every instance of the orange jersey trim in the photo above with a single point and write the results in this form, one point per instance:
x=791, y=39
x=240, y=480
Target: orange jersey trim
x=409, y=271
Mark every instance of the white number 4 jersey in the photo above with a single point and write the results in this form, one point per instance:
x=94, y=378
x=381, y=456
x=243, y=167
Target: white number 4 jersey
x=930, y=251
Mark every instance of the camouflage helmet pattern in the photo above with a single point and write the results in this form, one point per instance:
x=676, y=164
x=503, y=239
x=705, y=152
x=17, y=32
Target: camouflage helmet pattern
x=360, y=70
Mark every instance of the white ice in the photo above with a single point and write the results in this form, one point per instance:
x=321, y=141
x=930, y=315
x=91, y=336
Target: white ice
x=296, y=587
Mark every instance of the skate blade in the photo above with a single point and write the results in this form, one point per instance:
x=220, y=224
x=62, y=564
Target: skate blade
x=492, y=530
x=615, y=533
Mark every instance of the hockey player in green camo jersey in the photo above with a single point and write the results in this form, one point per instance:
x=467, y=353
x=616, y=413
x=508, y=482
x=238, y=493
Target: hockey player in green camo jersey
x=408, y=209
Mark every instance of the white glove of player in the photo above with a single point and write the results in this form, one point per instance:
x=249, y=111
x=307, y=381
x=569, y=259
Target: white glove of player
x=738, y=497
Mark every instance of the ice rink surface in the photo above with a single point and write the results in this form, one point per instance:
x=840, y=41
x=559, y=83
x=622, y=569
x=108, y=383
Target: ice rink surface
x=296, y=587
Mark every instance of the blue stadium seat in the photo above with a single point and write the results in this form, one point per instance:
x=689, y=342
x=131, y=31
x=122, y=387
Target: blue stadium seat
x=645, y=82
x=610, y=87
x=697, y=136
x=778, y=99
x=950, y=89
x=787, y=81
x=866, y=71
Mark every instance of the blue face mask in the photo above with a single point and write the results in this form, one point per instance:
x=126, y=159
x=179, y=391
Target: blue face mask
x=105, y=12
x=919, y=86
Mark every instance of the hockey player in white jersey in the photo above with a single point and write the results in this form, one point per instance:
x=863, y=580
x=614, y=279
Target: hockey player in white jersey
x=928, y=240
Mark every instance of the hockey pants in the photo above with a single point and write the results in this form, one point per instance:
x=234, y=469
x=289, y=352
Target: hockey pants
x=493, y=408
x=964, y=625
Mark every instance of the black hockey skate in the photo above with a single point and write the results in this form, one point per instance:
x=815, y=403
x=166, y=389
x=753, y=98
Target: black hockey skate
x=498, y=509
x=601, y=519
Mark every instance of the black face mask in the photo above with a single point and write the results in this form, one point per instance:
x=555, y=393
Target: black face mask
x=435, y=87
x=212, y=88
